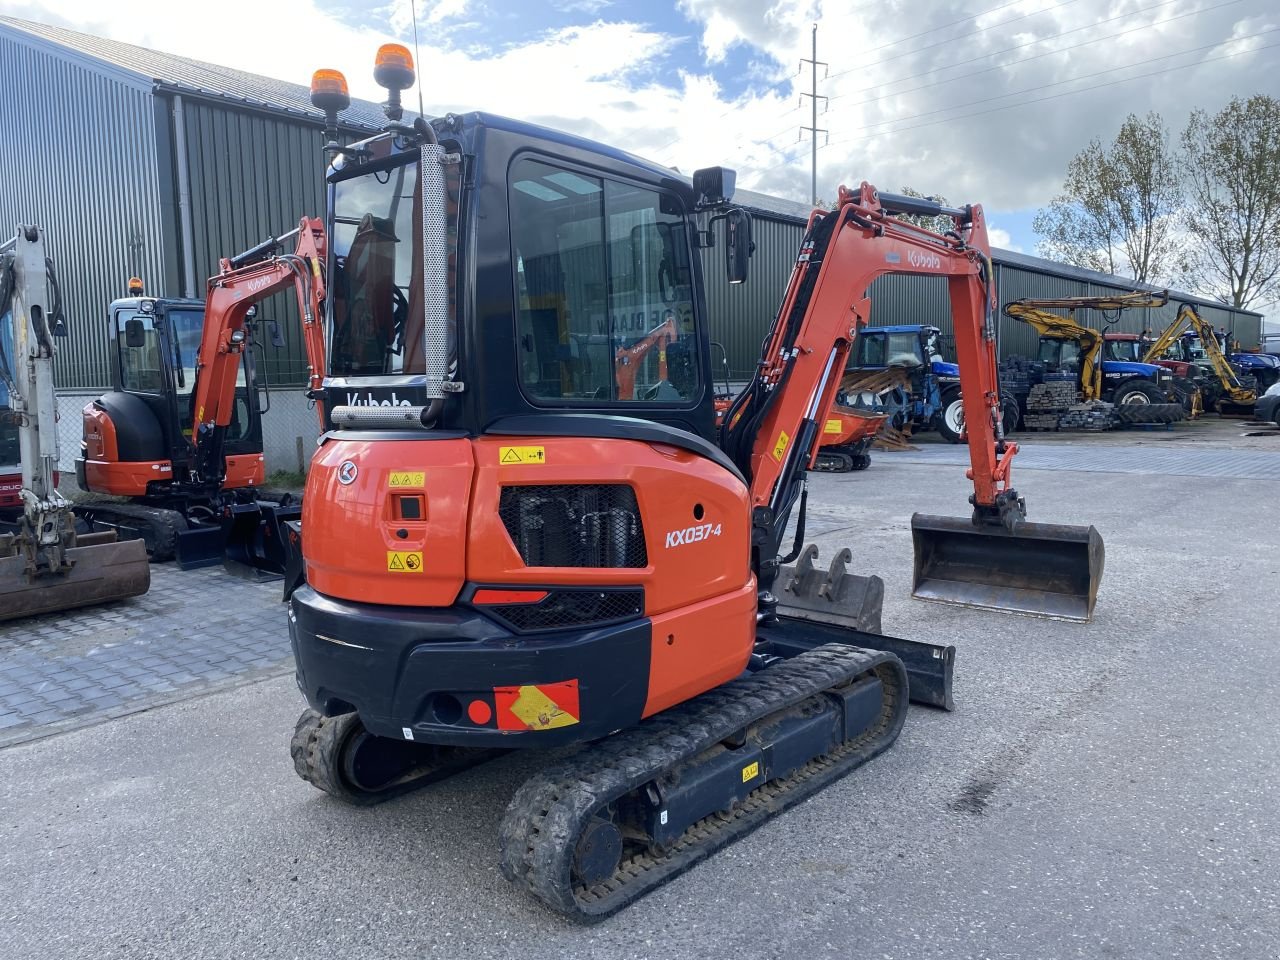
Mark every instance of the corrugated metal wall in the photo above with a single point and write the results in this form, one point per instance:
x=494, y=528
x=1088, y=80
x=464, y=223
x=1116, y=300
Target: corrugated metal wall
x=741, y=315
x=252, y=176
x=80, y=160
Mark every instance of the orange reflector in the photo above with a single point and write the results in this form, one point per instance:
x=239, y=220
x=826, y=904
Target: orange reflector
x=508, y=596
x=394, y=55
x=329, y=82
x=479, y=712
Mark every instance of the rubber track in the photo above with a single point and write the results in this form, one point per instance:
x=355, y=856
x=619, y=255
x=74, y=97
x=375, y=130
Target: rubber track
x=316, y=749
x=159, y=528
x=543, y=821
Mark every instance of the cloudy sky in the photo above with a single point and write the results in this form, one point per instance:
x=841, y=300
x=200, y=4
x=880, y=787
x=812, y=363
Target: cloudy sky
x=980, y=102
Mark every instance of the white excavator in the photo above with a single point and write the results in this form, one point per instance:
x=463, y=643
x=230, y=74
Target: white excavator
x=45, y=565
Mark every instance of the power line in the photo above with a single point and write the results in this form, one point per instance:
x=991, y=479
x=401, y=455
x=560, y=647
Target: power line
x=924, y=33
x=1038, y=56
x=1058, y=83
x=1098, y=86
x=950, y=40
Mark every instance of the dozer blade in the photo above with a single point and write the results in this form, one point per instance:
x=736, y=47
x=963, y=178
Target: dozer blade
x=101, y=573
x=1042, y=569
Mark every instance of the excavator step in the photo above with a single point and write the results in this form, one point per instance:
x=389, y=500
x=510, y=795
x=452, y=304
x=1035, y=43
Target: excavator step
x=598, y=831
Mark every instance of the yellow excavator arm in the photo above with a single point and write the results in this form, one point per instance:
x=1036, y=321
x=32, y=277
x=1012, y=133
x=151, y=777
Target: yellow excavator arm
x=1188, y=317
x=1058, y=327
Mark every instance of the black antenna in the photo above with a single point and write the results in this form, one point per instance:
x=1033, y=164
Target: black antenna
x=417, y=57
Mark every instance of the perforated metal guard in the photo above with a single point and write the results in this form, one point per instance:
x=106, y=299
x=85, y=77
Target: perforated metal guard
x=438, y=337
x=575, y=525
x=572, y=608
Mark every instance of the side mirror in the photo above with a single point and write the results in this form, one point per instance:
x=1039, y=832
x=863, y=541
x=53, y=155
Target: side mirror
x=135, y=333
x=277, y=338
x=738, y=244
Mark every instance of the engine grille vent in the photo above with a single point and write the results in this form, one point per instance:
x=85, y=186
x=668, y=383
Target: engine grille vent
x=575, y=525
x=571, y=608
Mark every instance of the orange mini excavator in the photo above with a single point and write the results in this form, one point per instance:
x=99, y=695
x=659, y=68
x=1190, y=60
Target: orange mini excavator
x=180, y=434
x=501, y=550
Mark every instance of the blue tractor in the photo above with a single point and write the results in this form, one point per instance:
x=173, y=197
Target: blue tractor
x=926, y=395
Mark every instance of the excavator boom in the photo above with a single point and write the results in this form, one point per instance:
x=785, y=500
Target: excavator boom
x=1187, y=317
x=773, y=428
x=44, y=566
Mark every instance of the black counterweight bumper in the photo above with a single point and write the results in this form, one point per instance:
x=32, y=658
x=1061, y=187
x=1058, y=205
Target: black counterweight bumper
x=454, y=676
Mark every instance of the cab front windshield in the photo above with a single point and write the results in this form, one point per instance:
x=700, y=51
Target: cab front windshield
x=378, y=320
x=9, y=455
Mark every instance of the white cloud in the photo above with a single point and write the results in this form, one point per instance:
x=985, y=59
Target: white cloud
x=1000, y=238
x=896, y=83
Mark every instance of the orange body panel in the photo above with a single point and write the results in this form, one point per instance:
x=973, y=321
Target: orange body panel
x=106, y=473
x=700, y=647
x=374, y=565
x=669, y=484
x=125, y=479
x=245, y=470
x=99, y=435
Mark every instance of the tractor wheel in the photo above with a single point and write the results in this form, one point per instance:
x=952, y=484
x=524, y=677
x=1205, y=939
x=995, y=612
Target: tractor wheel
x=1138, y=391
x=950, y=417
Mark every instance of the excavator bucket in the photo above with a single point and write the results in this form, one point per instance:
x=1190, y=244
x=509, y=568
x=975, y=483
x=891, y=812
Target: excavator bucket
x=101, y=572
x=832, y=606
x=249, y=540
x=1042, y=569
x=256, y=536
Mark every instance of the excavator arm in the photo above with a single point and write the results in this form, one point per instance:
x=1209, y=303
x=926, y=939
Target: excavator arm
x=242, y=281
x=626, y=360
x=772, y=430
x=1057, y=327
x=1188, y=317
x=775, y=431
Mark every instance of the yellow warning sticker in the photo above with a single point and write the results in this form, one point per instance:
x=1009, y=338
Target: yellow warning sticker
x=401, y=561
x=750, y=772
x=780, y=447
x=540, y=712
x=407, y=478
x=536, y=455
x=831, y=426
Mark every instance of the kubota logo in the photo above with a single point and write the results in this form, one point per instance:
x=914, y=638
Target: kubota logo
x=347, y=473
x=258, y=283
x=930, y=261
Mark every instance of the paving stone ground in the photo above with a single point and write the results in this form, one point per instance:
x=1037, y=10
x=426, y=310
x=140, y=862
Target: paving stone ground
x=193, y=632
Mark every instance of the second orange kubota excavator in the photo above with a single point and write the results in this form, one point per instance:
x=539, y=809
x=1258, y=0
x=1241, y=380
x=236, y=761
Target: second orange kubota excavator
x=499, y=549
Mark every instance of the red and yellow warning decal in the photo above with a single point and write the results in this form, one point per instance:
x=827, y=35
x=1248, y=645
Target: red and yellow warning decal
x=542, y=706
x=780, y=446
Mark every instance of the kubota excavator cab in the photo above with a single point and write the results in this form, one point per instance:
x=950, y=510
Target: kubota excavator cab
x=137, y=437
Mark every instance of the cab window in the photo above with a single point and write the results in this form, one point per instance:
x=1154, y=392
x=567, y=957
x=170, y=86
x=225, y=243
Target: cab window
x=604, y=289
x=139, y=345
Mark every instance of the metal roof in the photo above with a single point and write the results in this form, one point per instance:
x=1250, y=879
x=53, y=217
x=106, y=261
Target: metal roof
x=798, y=212
x=195, y=77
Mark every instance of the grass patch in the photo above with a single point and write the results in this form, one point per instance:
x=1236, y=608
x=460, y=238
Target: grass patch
x=288, y=479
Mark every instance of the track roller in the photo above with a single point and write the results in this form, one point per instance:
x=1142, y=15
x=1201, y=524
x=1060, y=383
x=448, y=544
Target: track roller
x=339, y=756
x=596, y=832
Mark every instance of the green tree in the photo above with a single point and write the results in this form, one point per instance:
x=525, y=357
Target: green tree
x=1117, y=212
x=936, y=224
x=1231, y=162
